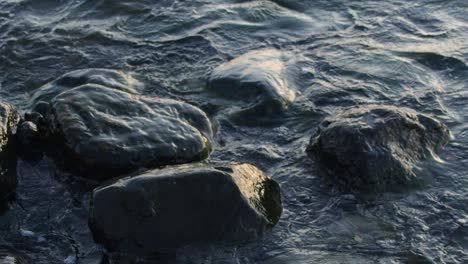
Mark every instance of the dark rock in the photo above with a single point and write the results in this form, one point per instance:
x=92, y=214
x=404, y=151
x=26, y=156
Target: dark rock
x=35, y=117
x=28, y=134
x=29, y=140
x=162, y=210
x=102, y=132
x=258, y=79
x=9, y=119
x=375, y=148
x=105, y=77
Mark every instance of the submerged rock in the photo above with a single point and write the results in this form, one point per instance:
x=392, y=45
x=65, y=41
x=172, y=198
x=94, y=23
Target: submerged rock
x=162, y=210
x=9, y=119
x=103, y=132
x=258, y=79
x=106, y=77
x=375, y=148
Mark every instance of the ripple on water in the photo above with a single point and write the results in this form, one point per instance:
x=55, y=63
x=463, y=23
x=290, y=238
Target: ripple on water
x=346, y=53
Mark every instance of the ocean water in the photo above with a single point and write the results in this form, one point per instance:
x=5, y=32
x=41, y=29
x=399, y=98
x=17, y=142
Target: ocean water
x=342, y=53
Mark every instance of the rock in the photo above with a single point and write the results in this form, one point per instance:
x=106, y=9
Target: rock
x=9, y=119
x=258, y=79
x=375, y=148
x=105, y=77
x=102, y=132
x=28, y=140
x=28, y=134
x=162, y=210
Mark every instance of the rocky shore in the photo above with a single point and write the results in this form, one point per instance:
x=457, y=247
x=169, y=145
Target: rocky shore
x=157, y=191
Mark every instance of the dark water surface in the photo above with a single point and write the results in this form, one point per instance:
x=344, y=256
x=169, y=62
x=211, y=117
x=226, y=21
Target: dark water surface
x=343, y=53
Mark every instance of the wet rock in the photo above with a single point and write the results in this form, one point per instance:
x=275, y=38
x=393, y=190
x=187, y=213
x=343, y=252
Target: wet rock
x=29, y=141
x=162, y=210
x=28, y=134
x=102, y=132
x=9, y=119
x=29, y=138
x=258, y=80
x=376, y=148
x=110, y=78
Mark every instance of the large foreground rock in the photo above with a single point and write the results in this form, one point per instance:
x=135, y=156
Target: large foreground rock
x=9, y=119
x=106, y=77
x=375, y=148
x=258, y=79
x=102, y=132
x=162, y=210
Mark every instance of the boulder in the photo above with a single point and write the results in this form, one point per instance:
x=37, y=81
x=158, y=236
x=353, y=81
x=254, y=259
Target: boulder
x=103, y=132
x=257, y=80
x=105, y=77
x=376, y=148
x=162, y=210
x=9, y=120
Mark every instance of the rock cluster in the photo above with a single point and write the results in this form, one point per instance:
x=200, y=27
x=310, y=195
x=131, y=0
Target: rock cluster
x=367, y=148
x=96, y=124
x=158, y=196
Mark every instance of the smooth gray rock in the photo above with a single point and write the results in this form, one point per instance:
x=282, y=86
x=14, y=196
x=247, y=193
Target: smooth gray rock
x=258, y=79
x=102, y=132
x=9, y=120
x=105, y=77
x=375, y=148
x=162, y=210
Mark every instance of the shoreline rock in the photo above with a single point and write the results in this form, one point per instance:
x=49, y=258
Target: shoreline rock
x=162, y=210
x=375, y=148
x=101, y=132
x=257, y=80
x=9, y=120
